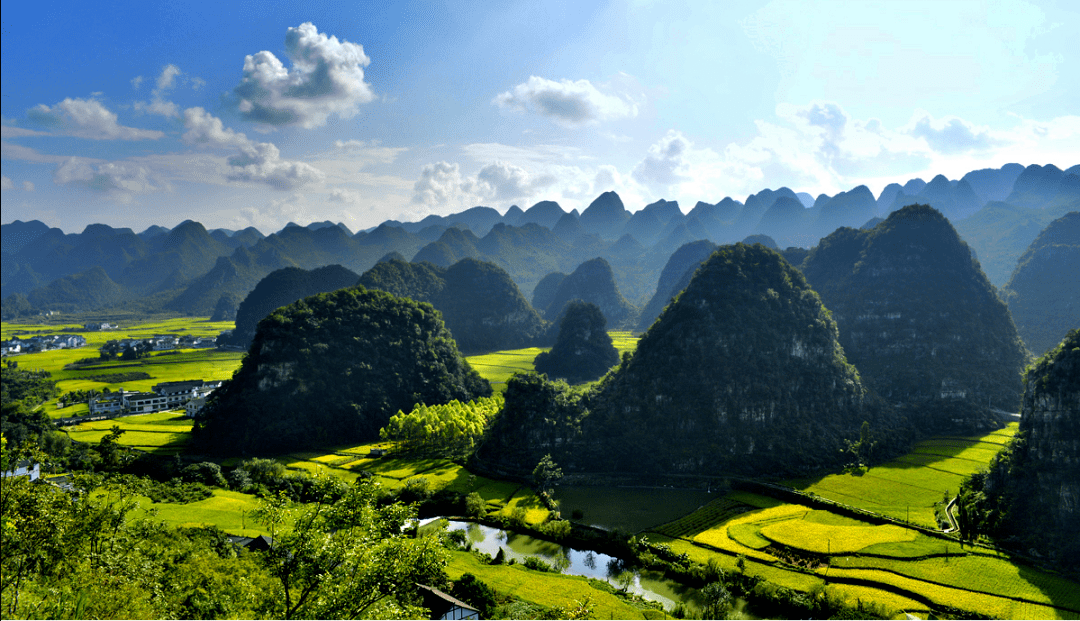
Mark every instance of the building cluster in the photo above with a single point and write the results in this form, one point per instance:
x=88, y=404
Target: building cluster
x=188, y=394
x=41, y=342
x=160, y=342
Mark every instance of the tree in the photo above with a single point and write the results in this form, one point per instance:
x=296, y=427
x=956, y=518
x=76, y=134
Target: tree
x=583, y=350
x=546, y=474
x=349, y=559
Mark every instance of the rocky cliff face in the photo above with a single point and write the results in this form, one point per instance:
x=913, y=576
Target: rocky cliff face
x=1031, y=492
x=919, y=319
x=743, y=374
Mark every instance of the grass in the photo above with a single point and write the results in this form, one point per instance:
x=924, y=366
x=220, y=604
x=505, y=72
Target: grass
x=547, y=589
x=632, y=509
x=229, y=511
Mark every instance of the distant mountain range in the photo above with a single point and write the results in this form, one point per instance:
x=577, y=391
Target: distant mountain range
x=188, y=269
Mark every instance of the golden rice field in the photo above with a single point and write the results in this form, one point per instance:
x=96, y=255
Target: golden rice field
x=893, y=564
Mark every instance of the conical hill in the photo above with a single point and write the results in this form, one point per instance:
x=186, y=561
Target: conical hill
x=919, y=319
x=741, y=374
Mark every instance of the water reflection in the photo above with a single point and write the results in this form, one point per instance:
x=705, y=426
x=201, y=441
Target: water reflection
x=589, y=563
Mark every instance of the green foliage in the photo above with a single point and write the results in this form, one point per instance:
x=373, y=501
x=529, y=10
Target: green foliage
x=481, y=305
x=475, y=505
x=742, y=373
x=538, y=416
x=1043, y=289
x=281, y=288
x=546, y=474
x=471, y=590
x=593, y=281
x=912, y=305
x=449, y=430
x=583, y=350
x=29, y=387
x=334, y=368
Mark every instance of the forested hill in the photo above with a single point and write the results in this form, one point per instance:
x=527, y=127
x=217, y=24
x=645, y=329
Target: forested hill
x=1031, y=492
x=1043, y=293
x=334, y=368
x=743, y=373
x=919, y=319
x=482, y=307
x=191, y=270
x=283, y=287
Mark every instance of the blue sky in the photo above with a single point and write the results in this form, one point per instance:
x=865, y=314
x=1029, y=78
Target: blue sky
x=262, y=113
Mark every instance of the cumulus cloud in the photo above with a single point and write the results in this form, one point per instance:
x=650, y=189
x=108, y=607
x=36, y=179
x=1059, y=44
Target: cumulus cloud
x=442, y=185
x=327, y=77
x=257, y=162
x=87, y=118
x=137, y=81
x=343, y=195
x=120, y=180
x=665, y=164
x=952, y=134
x=28, y=186
x=158, y=104
x=6, y=183
x=569, y=103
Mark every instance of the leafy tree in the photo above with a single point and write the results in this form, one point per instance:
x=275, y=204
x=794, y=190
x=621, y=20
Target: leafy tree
x=546, y=474
x=349, y=559
x=332, y=368
x=471, y=590
x=475, y=505
x=449, y=430
x=583, y=350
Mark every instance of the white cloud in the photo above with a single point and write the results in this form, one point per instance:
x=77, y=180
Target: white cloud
x=952, y=134
x=343, y=195
x=442, y=186
x=120, y=180
x=327, y=78
x=28, y=186
x=6, y=183
x=87, y=118
x=158, y=104
x=569, y=103
x=168, y=77
x=258, y=162
x=665, y=164
x=137, y=81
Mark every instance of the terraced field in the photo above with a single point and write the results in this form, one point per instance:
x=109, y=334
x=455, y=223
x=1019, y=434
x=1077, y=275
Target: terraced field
x=162, y=432
x=798, y=546
x=907, y=488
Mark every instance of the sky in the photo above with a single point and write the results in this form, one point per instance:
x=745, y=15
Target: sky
x=146, y=113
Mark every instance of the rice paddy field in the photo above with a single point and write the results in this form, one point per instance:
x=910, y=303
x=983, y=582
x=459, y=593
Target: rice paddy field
x=907, y=487
x=905, y=568
x=163, y=366
x=497, y=367
x=230, y=511
x=164, y=433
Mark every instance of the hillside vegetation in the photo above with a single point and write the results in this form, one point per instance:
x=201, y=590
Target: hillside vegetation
x=336, y=366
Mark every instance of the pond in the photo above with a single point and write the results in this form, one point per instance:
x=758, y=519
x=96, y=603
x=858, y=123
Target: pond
x=632, y=509
x=649, y=584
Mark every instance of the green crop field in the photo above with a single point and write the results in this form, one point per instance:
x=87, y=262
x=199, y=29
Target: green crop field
x=161, y=432
x=497, y=367
x=548, y=589
x=164, y=366
x=907, y=488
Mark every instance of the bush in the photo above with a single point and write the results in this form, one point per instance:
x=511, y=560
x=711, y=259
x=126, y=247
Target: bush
x=533, y=562
x=475, y=505
x=474, y=592
x=206, y=472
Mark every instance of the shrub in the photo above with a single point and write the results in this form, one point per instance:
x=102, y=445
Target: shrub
x=475, y=505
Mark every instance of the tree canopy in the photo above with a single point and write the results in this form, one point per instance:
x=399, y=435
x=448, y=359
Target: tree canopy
x=333, y=368
x=583, y=350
